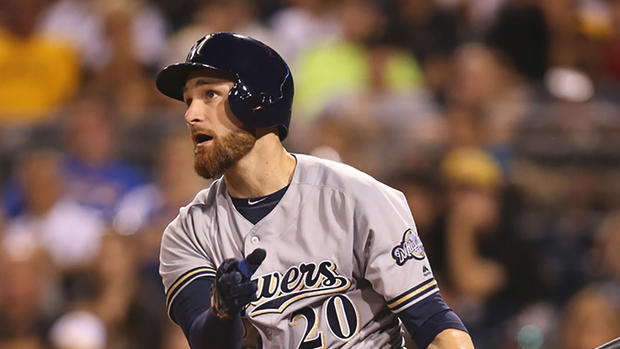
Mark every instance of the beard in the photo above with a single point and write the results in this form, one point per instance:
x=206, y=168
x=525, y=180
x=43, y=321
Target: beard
x=214, y=160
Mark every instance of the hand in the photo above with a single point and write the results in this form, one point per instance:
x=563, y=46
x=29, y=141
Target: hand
x=233, y=289
x=452, y=339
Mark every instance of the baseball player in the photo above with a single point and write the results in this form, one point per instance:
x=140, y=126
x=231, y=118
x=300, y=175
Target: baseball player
x=309, y=252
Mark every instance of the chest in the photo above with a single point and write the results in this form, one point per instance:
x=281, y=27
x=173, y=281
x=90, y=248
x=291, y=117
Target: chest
x=307, y=226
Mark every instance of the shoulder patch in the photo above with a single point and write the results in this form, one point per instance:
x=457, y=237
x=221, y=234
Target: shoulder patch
x=410, y=247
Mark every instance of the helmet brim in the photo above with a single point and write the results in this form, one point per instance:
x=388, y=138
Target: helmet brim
x=171, y=80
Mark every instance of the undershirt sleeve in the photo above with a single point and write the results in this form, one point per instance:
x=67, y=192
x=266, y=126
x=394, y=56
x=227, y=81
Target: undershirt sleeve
x=200, y=325
x=429, y=317
x=194, y=299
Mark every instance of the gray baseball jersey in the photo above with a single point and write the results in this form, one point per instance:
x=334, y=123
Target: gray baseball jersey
x=343, y=257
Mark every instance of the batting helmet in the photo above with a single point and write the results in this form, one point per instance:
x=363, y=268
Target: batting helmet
x=262, y=95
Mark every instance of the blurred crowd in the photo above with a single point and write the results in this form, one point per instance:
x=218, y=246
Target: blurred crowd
x=499, y=120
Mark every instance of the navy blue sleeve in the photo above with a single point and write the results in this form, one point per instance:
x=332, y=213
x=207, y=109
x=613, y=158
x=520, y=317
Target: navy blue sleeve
x=191, y=310
x=427, y=318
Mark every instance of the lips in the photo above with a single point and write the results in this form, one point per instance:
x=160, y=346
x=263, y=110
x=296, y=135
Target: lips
x=201, y=138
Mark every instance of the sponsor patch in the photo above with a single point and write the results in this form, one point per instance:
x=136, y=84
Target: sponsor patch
x=410, y=247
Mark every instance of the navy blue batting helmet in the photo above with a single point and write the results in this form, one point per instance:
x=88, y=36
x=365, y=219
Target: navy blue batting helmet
x=262, y=95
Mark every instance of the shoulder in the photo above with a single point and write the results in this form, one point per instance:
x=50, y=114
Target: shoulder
x=205, y=197
x=341, y=177
x=204, y=201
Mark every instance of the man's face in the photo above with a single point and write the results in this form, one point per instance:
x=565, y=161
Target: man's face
x=220, y=139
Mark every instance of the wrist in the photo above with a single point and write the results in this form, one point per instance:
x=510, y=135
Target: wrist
x=217, y=307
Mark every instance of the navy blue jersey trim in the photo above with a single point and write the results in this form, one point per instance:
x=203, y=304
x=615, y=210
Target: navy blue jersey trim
x=412, y=295
x=429, y=317
x=185, y=279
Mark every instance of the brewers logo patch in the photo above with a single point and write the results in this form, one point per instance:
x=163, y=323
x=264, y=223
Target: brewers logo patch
x=410, y=247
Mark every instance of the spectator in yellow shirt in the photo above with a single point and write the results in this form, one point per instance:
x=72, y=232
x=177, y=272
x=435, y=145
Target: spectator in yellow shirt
x=37, y=74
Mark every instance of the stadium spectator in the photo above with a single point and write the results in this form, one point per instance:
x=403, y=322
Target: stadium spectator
x=39, y=73
x=490, y=267
x=24, y=314
x=150, y=207
x=347, y=65
x=590, y=319
x=94, y=175
x=85, y=25
x=142, y=215
x=486, y=102
x=238, y=16
x=521, y=33
x=431, y=32
x=303, y=24
x=43, y=223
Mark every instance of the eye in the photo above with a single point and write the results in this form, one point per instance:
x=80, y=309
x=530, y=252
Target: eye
x=211, y=94
x=188, y=102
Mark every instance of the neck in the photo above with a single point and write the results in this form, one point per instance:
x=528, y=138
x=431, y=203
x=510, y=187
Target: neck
x=267, y=168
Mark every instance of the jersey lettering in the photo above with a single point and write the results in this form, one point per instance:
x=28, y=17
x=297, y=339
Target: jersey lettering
x=277, y=292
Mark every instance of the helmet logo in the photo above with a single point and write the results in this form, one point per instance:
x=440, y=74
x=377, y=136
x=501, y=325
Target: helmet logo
x=195, y=50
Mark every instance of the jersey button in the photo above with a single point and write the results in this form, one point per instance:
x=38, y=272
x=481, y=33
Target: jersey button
x=254, y=240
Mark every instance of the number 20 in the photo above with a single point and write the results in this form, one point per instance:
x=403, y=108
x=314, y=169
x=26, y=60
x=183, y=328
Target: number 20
x=342, y=319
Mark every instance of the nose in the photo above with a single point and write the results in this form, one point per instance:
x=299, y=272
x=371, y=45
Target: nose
x=194, y=114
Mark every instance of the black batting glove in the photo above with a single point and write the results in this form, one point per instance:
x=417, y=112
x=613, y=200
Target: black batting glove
x=233, y=290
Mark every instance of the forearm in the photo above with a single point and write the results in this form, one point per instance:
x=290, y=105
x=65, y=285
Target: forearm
x=209, y=331
x=452, y=339
x=196, y=308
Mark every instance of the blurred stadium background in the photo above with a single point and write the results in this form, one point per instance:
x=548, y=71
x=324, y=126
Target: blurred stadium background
x=500, y=120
